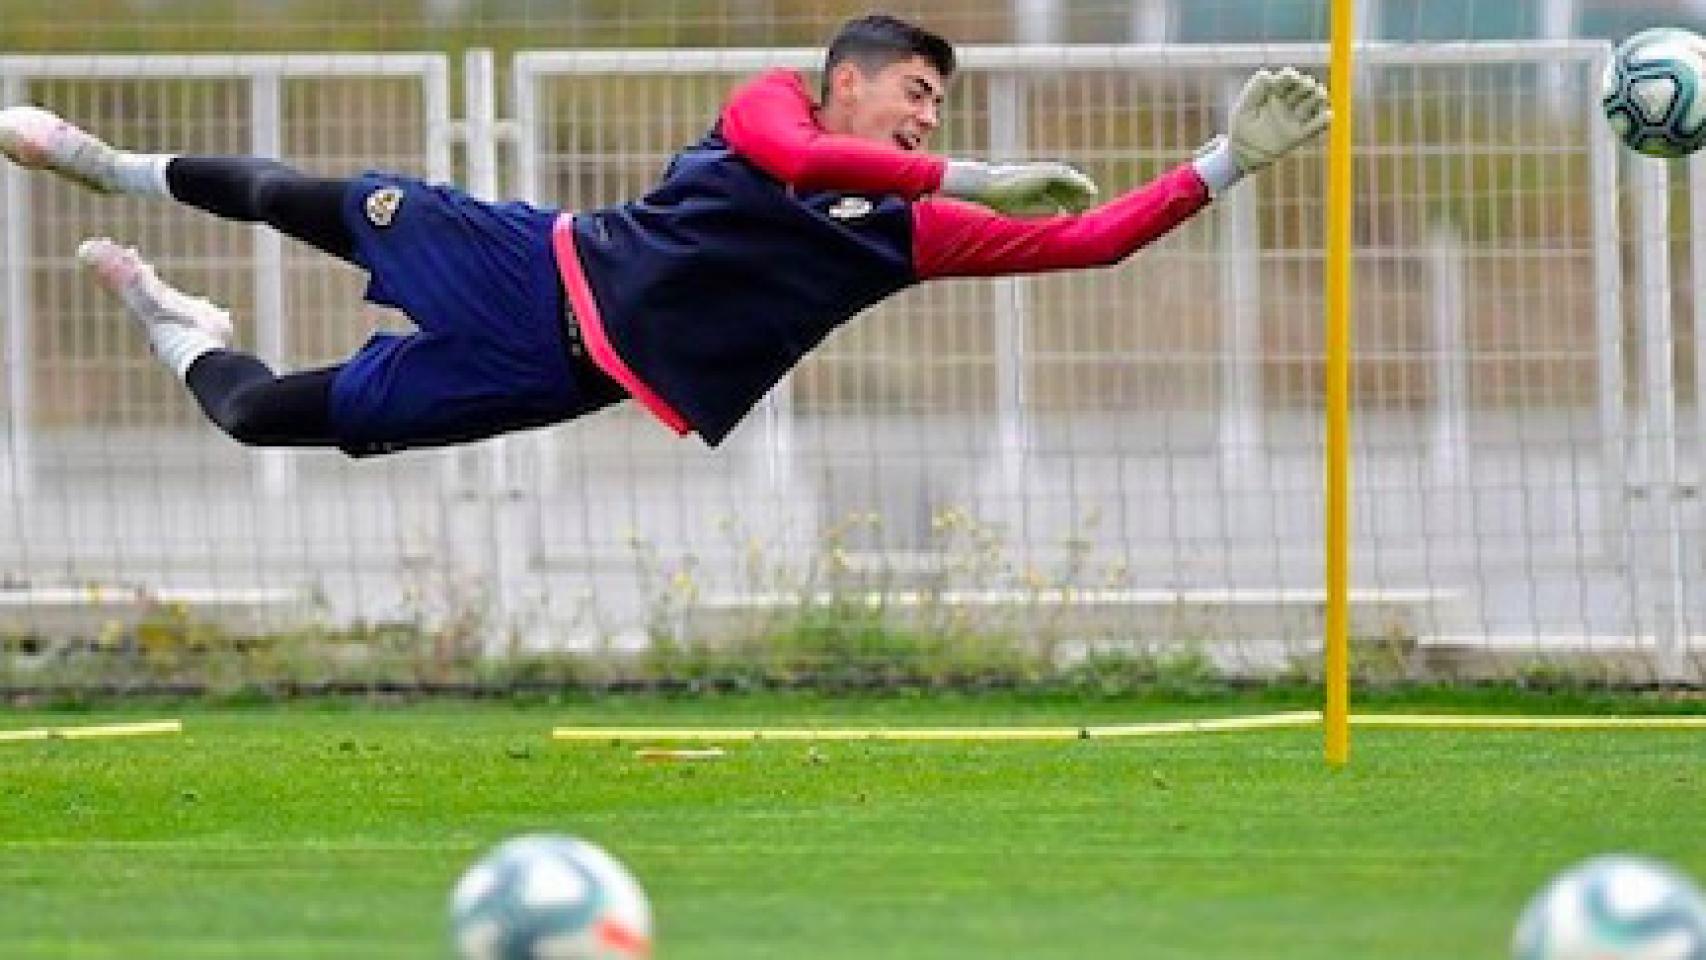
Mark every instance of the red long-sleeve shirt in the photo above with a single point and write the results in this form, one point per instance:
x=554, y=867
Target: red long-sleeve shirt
x=771, y=120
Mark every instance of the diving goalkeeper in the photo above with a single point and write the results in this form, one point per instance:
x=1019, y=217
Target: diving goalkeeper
x=789, y=217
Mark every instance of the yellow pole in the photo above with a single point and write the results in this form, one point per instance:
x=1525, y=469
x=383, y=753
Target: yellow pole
x=1336, y=715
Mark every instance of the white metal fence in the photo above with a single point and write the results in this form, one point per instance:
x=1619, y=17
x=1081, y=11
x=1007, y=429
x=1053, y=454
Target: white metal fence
x=1137, y=449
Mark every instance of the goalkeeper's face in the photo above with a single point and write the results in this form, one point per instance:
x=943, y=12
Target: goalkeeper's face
x=898, y=105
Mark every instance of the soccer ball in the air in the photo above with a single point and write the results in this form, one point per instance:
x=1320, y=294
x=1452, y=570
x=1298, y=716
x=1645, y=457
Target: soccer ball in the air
x=1654, y=92
x=549, y=898
x=1614, y=908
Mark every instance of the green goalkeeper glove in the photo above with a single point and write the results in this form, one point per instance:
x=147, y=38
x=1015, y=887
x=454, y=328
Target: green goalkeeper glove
x=1274, y=114
x=1019, y=189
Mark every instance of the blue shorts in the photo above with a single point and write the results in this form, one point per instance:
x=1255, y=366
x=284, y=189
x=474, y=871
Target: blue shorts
x=480, y=282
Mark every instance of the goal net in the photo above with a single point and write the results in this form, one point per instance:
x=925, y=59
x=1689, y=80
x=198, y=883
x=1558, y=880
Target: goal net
x=1018, y=477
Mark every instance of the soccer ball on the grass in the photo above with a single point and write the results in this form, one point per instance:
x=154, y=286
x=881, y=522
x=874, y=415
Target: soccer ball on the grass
x=1654, y=92
x=1614, y=908
x=549, y=898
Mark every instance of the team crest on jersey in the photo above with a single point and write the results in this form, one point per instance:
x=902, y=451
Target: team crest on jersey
x=382, y=206
x=850, y=208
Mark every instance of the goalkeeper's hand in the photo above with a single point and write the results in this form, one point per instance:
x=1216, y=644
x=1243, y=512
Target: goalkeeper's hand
x=1275, y=113
x=1019, y=189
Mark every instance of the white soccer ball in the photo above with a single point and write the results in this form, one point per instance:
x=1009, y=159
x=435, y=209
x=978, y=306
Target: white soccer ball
x=1654, y=92
x=549, y=898
x=1614, y=908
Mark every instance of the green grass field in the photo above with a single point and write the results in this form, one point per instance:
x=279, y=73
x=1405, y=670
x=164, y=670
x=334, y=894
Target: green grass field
x=333, y=831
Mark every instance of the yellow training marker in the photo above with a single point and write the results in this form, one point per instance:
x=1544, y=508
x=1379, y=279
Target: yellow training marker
x=1271, y=721
x=807, y=733
x=702, y=734
x=657, y=754
x=143, y=729
x=1449, y=722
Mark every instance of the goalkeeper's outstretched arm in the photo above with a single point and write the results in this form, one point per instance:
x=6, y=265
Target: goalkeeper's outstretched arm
x=771, y=121
x=1274, y=115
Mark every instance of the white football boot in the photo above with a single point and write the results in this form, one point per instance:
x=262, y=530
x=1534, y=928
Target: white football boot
x=40, y=140
x=156, y=305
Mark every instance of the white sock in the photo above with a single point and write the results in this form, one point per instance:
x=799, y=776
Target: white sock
x=141, y=174
x=178, y=345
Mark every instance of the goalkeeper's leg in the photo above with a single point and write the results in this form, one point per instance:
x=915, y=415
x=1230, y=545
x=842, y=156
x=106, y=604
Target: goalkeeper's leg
x=259, y=408
x=256, y=190
x=191, y=336
x=249, y=189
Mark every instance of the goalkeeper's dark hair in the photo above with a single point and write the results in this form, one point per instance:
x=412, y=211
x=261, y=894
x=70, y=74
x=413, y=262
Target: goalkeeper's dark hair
x=875, y=41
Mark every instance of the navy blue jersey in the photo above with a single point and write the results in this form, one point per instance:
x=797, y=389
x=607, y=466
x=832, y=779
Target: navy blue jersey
x=715, y=284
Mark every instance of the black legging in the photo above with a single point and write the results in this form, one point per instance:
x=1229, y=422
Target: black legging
x=255, y=190
x=260, y=408
x=238, y=392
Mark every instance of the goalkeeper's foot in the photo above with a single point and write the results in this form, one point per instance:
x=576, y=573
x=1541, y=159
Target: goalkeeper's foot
x=34, y=138
x=150, y=300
